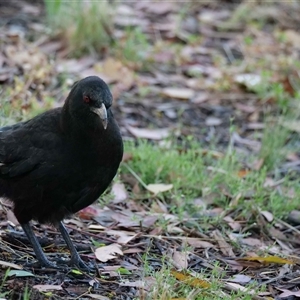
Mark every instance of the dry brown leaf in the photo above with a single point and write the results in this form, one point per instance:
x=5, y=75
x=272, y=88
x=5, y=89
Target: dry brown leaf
x=292, y=37
x=108, y=252
x=127, y=156
x=161, y=9
x=236, y=226
x=178, y=93
x=96, y=227
x=257, y=164
x=89, y=212
x=11, y=218
x=78, y=223
x=158, y=207
x=288, y=294
x=240, y=278
x=156, y=188
x=252, y=242
x=151, y=134
x=138, y=284
x=124, y=237
x=269, y=260
x=96, y=296
x=180, y=259
x=225, y=248
x=234, y=265
x=197, y=243
x=243, y=173
x=47, y=287
x=10, y=265
x=201, y=97
x=292, y=125
x=119, y=192
x=248, y=80
x=133, y=250
x=171, y=228
x=268, y=216
x=212, y=121
x=115, y=71
x=237, y=287
x=75, y=65
x=146, y=283
x=190, y=280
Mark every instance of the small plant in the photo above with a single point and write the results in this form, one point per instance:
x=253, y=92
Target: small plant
x=84, y=26
x=133, y=47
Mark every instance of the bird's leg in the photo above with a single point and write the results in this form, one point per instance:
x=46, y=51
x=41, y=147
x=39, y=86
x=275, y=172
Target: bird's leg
x=40, y=255
x=75, y=258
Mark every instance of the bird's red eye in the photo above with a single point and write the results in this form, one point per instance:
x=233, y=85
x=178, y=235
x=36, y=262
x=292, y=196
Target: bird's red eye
x=86, y=99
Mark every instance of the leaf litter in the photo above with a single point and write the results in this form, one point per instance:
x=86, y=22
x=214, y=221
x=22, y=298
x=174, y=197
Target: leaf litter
x=187, y=86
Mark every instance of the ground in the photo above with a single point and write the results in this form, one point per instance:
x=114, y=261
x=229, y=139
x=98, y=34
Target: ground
x=205, y=204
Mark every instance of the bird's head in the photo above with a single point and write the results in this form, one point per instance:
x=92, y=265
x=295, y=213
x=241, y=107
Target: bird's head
x=89, y=100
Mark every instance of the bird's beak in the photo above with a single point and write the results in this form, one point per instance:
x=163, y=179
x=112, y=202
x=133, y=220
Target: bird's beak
x=102, y=113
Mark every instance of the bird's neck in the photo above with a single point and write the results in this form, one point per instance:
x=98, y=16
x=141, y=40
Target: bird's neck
x=77, y=128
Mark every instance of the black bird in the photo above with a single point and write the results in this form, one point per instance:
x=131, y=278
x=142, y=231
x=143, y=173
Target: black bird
x=61, y=161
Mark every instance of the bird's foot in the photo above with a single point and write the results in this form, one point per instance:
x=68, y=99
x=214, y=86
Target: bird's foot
x=83, y=266
x=78, y=262
x=42, y=264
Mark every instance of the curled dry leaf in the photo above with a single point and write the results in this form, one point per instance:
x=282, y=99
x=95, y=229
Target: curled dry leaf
x=10, y=265
x=237, y=287
x=146, y=283
x=197, y=243
x=248, y=80
x=180, y=259
x=190, y=280
x=89, y=212
x=225, y=248
x=114, y=70
x=240, y=278
x=291, y=125
x=119, y=192
x=212, y=121
x=252, y=242
x=178, y=93
x=287, y=294
x=11, y=218
x=269, y=217
x=108, y=252
x=124, y=237
x=151, y=134
x=159, y=188
x=269, y=260
x=95, y=296
x=47, y=287
x=126, y=157
x=292, y=37
x=236, y=226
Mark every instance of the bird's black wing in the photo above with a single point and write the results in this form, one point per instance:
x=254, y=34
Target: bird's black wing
x=22, y=145
x=12, y=127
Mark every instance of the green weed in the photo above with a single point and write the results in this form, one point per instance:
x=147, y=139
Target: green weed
x=86, y=27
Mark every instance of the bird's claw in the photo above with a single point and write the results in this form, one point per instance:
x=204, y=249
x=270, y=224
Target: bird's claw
x=79, y=263
x=39, y=265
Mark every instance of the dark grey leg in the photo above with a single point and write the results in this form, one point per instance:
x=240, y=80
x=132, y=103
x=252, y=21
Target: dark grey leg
x=40, y=255
x=75, y=258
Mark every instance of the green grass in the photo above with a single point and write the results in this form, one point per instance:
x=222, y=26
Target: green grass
x=15, y=109
x=85, y=27
x=195, y=175
x=133, y=48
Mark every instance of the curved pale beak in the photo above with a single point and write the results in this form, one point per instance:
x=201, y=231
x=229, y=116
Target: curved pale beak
x=102, y=113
